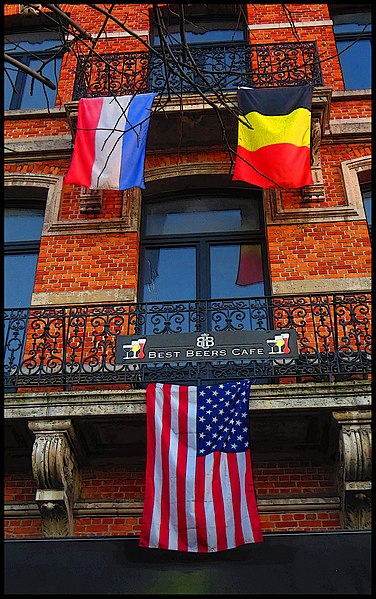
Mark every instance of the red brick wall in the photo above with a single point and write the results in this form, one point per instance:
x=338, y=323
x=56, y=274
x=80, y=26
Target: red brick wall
x=19, y=488
x=25, y=528
x=112, y=483
x=35, y=127
x=300, y=522
x=81, y=262
x=296, y=251
x=109, y=261
x=319, y=250
x=111, y=205
x=269, y=14
x=275, y=13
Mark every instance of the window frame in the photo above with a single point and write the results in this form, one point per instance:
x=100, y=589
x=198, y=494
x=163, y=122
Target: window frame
x=27, y=246
x=204, y=241
x=198, y=12
x=22, y=79
x=341, y=10
x=365, y=188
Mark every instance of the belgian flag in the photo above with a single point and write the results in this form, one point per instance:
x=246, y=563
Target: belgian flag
x=274, y=137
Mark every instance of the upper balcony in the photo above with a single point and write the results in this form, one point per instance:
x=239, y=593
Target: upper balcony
x=220, y=67
x=219, y=70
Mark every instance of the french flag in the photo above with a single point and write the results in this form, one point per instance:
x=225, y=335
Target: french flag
x=110, y=144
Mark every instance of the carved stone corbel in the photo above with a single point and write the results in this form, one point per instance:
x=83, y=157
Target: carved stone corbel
x=131, y=209
x=315, y=192
x=55, y=469
x=354, y=467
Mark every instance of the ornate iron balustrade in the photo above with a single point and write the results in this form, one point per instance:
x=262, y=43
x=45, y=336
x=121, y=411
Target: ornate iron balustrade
x=223, y=67
x=75, y=345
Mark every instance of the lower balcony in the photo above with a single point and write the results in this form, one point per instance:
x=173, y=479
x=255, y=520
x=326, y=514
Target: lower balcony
x=75, y=346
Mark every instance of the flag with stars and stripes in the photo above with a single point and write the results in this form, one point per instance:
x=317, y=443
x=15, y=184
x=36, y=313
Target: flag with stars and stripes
x=199, y=493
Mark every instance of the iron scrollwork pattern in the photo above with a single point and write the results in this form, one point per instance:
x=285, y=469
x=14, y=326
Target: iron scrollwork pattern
x=76, y=345
x=219, y=66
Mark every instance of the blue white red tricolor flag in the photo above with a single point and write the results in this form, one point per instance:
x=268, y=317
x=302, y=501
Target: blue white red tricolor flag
x=199, y=493
x=110, y=145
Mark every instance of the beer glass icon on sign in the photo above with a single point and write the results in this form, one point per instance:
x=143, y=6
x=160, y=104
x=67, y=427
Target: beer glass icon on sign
x=137, y=347
x=134, y=350
x=279, y=345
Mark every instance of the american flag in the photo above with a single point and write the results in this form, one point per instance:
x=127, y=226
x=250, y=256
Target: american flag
x=199, y=493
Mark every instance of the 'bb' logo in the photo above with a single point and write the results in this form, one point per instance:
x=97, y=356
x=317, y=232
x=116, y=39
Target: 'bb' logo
x=205, y=340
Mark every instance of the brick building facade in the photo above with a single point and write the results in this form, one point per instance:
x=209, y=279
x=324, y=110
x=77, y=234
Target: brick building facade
x=75, y=452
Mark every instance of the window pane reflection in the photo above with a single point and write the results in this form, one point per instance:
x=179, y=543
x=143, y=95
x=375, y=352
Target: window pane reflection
x=170, y=275
x=356, y=64
x=22, y=224
x=236, y=271
x=202, y=215
x=19, y=279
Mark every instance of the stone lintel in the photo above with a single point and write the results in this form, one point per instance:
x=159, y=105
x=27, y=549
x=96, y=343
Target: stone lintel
x=83, y=297
x=358, y=486
x=349, y=395
x=121, y=508
x=329, y=285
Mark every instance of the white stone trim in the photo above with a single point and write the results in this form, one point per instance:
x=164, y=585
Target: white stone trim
x=349, y=171
x=53, y=183
x=260, y=26
x=115, y=34
x=276, y=214
x=185, y=169
x=348, y=126
x=333, y=285
x=87, y=296
x=55, y=143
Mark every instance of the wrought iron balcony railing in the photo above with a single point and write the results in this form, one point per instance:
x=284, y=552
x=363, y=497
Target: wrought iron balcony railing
x=75, y=345
x=223, y=67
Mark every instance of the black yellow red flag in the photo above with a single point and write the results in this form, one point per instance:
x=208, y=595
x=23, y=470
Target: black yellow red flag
x=274, y=135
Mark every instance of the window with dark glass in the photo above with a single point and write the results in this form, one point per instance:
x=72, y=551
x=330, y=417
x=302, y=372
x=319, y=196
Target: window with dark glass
x=353, y=32
x=216, y=35
x=367, y=202
x=205, y=246
x=40, y=51
x=23, y=220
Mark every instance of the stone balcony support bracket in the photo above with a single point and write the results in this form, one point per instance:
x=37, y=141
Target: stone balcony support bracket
x=56, y=472
x=354, y=467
